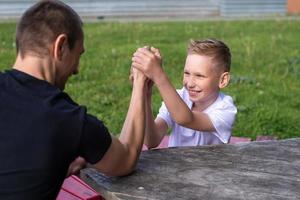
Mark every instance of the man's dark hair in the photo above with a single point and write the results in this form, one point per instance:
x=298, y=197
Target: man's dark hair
x=42, y=23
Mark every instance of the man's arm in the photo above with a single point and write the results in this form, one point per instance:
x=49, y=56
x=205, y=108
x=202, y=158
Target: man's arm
x=151, y=66
x=122, y=155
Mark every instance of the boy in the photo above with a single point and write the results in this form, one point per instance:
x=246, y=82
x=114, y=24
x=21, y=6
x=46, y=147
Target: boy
x=198, y=114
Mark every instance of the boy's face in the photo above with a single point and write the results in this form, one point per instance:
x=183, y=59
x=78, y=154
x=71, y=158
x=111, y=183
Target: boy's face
x=201, y=79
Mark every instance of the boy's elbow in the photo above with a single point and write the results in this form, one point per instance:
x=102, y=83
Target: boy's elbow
x=151, y=144
x=184, y=120
x=181, y=122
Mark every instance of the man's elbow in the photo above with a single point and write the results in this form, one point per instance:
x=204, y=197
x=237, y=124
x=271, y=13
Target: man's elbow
x=127, y=169
x=119, y=160
x=121, y=170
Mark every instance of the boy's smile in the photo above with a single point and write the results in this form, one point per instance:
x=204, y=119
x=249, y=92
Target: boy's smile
x=201, y=79
x=193, y=93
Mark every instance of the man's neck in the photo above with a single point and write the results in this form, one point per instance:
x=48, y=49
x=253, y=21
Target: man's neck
x=40, y=68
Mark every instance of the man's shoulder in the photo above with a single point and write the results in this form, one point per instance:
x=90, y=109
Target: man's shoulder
x=34, y=93
x=6, y=79
x=3, y=74
x=62, y=104
x=1, y=77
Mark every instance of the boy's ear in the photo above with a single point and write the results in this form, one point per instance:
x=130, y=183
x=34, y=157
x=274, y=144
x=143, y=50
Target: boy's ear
x=224, y=79
x=59, y=46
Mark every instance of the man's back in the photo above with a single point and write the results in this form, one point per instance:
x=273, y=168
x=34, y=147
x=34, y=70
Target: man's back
x=39, y=139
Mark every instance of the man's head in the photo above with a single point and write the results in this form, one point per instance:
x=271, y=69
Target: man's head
x=206, y=69
x=52, y=30
x=42, y=23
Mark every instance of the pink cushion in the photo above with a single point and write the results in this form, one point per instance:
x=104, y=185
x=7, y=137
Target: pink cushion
x=164, y=143
x=265, y=138
x=74, y=188
x=235, y=140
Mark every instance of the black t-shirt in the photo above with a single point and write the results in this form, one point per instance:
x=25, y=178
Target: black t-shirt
x=41, y=131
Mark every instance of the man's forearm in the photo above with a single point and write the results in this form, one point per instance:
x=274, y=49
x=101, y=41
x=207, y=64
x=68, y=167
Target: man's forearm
x=132, y=134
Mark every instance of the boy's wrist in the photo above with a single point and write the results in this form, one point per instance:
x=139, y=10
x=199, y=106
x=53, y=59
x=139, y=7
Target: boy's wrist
x=160, y=80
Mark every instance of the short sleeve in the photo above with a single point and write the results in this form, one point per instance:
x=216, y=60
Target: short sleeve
x=95, y=140
x=165, y=115
x=222, y=119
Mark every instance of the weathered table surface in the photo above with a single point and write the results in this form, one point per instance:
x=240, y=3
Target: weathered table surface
x=255, y=170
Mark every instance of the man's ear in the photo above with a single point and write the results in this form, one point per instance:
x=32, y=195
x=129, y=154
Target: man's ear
x=60, y=45
x=224, y=79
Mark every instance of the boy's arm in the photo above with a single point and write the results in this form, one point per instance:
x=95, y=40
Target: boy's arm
x=155, y=129
x=151, y=66
x=122, y=155
x=178, y=109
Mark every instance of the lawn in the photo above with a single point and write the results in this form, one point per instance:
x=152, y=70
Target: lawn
x=265, y=68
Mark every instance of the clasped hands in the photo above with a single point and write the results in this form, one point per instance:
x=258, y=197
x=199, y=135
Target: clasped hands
x=146, y=65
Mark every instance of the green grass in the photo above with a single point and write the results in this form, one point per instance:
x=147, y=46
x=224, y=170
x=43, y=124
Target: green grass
x=265, y=70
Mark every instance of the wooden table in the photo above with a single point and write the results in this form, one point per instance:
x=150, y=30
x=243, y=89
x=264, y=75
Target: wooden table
x=255, y=170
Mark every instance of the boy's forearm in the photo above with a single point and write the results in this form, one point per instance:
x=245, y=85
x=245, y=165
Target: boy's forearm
x=149, y=117
x=176, y=106
x=151, y=133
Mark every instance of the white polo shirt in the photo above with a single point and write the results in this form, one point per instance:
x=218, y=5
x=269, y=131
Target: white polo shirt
x=221, y=113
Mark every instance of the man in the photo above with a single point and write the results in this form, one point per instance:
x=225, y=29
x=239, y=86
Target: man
x=41, y=129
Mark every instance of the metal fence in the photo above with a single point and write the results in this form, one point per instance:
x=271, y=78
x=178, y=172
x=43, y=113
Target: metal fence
x=124, y=8
x=236, y=8
x=136, y=9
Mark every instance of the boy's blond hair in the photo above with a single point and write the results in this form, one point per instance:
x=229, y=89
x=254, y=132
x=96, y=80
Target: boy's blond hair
x=213, y=48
